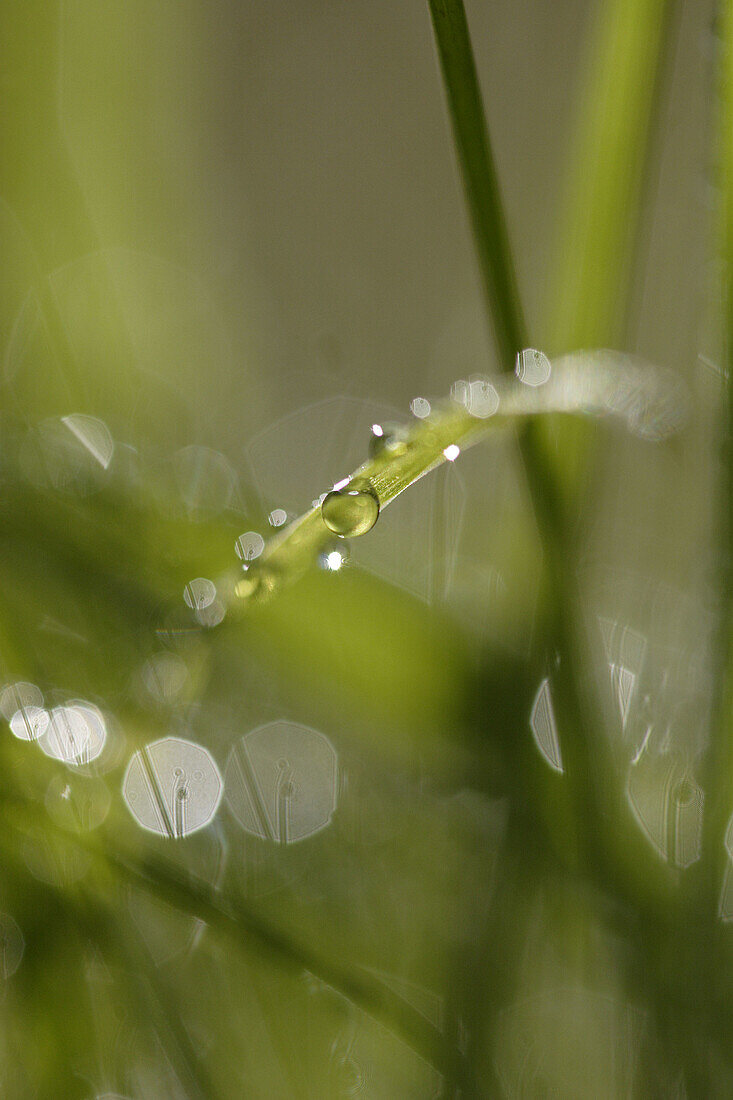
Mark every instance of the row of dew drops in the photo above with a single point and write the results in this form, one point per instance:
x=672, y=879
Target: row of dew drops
x=351, y=508
x=650, y=401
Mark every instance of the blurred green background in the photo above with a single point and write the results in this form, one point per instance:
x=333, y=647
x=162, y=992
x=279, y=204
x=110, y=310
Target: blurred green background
x=234, y=235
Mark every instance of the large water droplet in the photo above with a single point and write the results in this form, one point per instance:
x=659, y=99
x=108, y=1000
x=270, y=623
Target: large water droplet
x=351, y=511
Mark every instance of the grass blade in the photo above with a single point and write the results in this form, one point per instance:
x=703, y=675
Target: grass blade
x=589, y=280
x=479, y=177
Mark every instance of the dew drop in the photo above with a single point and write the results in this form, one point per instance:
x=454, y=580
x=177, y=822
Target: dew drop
x=351, y=511
x=281, y=782
x=387, y=439
x=92, y=434
x=460, y=391
x=76, y=733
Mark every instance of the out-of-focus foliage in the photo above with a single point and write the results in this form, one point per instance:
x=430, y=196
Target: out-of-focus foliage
x=448, y=814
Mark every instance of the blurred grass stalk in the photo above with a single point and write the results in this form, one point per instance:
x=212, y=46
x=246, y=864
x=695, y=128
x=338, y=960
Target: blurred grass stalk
x=588, y=305
x=605, y=186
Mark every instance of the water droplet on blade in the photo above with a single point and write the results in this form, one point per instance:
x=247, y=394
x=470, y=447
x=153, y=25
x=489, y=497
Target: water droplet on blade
x=390, y=439
x=351, y=511
x=482, y=398
x=15, y=697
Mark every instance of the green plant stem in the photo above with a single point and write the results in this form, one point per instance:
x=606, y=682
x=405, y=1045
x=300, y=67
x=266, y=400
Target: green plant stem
x=606, y=172
x=600, y=819
x=584, y=770
x=478, y=173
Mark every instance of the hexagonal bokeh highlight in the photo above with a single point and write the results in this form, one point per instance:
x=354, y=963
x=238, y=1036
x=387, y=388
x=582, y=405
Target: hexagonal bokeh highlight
x=282, y=782
x=172, y=787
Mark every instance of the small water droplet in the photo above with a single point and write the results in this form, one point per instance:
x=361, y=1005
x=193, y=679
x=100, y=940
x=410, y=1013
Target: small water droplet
x=92, y=434
x=351, y=511
x=391, y=439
